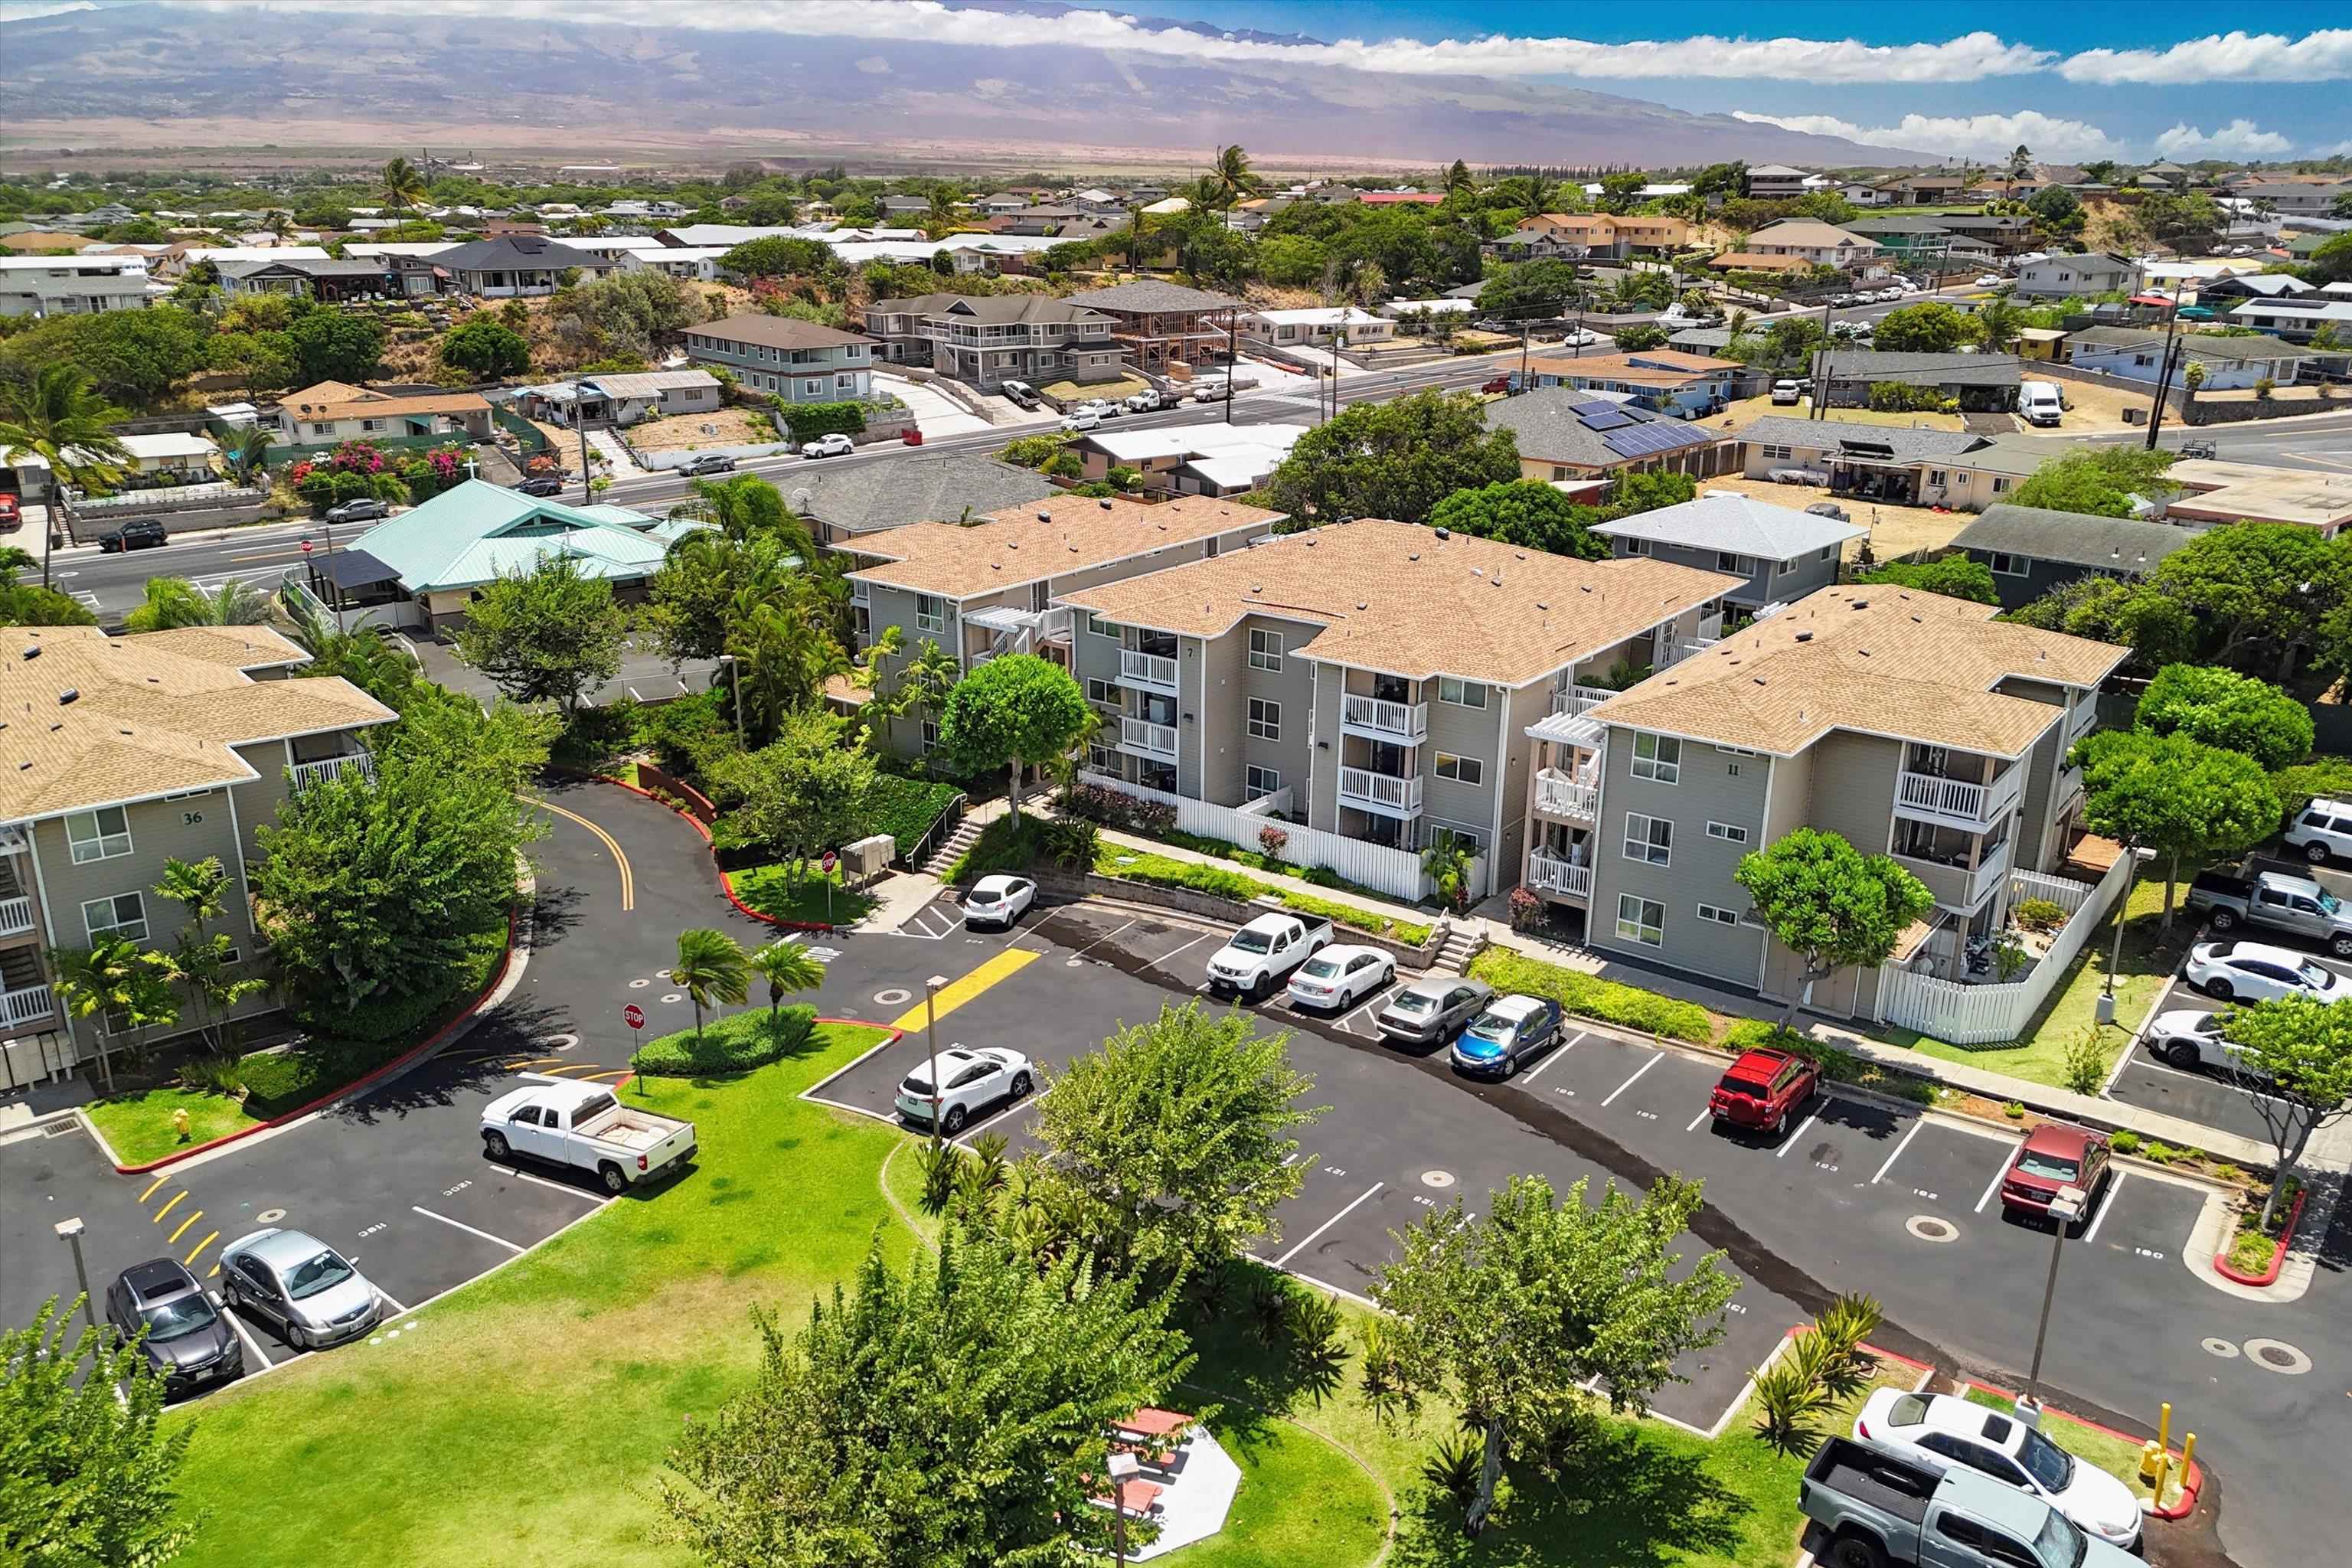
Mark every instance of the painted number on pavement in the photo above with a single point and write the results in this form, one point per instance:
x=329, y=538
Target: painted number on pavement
x=453, y=1191
x=371, y=1230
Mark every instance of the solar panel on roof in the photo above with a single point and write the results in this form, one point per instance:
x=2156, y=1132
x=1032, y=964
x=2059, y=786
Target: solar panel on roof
x=1606, y=419
x=1641, y=440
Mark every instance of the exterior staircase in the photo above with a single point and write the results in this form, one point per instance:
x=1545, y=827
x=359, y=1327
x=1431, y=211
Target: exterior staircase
x=1460, y=945
x=944, y=858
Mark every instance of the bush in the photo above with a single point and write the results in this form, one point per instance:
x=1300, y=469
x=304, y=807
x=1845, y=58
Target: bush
x=1590, y=996
x=1787, y=1401
x=2083, y=1066
x=2039, y=914
x=688, y=735
x=2124, y=1143
x=1900, y=397
x=1069, y=845
x=1007, y=844
x=1031, y=451
x=1121, y=811
x=1272, y=841
x=904, y=808
x=809, y=420
x=2014, y=1110
x=214, y=1075
x=1095, y=489
x=734, y=1044
x=1063, y=466
x=1527, y=910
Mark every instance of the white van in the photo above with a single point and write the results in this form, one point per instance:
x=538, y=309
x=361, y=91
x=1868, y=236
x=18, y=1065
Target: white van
x=2038, y=400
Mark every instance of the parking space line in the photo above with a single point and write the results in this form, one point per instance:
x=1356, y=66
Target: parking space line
x=1166, y=956
x=1557, y=1055
x=250, y=1343
x=1638, y=1071
x=1916, y=1122
x=154, y=1184
x=573, y=1066
x=597, y=1198
x=167, y=1208
x=2215, y=1078
x=2114, y=1189
x=1328, y=1223
x=1994, y=1186
x=397, y=1310
x=1100, y=939
x=1705, y=1112
x=1793, y=1138
x=1003, y=966
x=173, y=1239
x=529, y=1062
x=196, y=1251
x=1367, y=1004
x=468, y=1229
x=608, y=1076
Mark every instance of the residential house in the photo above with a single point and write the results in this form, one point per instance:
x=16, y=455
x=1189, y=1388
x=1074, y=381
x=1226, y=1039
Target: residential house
x=2064, y=276
x=1402, y=198
x=1664, y=381
x=172, y=262
x=71, y=285
x=180, y=455
x=1158, y=325
x=1774, y=182
x=1783, y=554
x=1905, y=237
x=1904, y=465
x=688, y=263
x=1865, y=194
x=1980, y=383
x=1214, y=459
x=329, y=412
x=1319, y=327
x=2296, y=321
x=1577, y=235
x=46, y=241
x=130, y=751
x=1812, y=242
x=2008, y=234
x=1566, y=434
x=800, y=362
x=1935, y=188
x=842, y=501
x=2030, y=549
x=988, y=340
x=1381, y=674
x=2221, y=491
x=2293, y=198
x=905, y=207
x=517, y=265
x=1908, y=723
x=2167, y=176
x=2252, y=286
x=621, y=399
x=1003, y=202
x=994, y=587
x=328, y=281
x=2137, y=355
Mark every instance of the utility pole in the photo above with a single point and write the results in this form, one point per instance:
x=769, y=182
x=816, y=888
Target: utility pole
x=71, y=1230
x=931, y=1044
x=1822, y=365
x=1232, y=356
x=2164, y=370
x=2066, y=1209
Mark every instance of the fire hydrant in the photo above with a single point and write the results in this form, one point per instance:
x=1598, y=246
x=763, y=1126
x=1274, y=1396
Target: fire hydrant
x=180, y=1123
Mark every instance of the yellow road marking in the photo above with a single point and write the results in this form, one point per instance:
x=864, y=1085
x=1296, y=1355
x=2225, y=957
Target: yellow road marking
x=167, y=1208
x=533, y=1062
x=216, y=1270
x=1003, y=966
x=629, y=878
x=572, y=1067
x=603, y=1077
x=154, y=1184
x=173, y=1239
x=199, y=1246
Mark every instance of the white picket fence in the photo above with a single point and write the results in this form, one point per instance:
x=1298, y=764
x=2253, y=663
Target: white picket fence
x=1396, y=872
x=1990, y=1015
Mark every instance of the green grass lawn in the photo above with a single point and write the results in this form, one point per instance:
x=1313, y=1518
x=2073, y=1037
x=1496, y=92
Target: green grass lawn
x=2119, y=1457
x=137, y=1125
x=773, y=890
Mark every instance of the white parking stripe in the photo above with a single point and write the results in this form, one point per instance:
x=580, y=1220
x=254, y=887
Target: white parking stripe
x=397, y=1310
x=1173, y=951
x=1561, y=1052
x=1326, y=1224
x=468, y=1229
x=2115, y=1188
x=1793, y=1138
x=1915, y=1125
x=1994, y=1186
x=1704, y=1113
x=1100, y=939
x=1629, y=1083
x=597, y=1198
x=250, y=1343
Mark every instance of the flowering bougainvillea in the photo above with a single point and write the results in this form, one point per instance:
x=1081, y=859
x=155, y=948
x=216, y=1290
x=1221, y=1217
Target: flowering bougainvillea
x=300, y=471
x=356, y=457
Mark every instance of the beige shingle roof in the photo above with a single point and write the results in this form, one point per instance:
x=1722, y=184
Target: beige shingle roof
x=1874, y=660
x=149, y=714
x=1397, y=597
x=1013, y=547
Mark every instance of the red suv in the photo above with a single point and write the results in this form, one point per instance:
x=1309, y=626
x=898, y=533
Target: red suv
x=1762, y=1089
x=2053, y=1155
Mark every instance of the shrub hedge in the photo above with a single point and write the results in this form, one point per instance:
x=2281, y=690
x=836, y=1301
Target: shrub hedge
x=734, y=1044
x=1590, y=996
x=809, y=420
x=905, y=809
x=1165, y=871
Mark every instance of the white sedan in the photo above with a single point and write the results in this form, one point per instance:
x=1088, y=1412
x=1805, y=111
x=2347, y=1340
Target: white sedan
x=836, y=444
x=998, y=901
x=970, y=1081
x=2190, y=1039
x=1339, y=976
x=1991, y=281
x=2255, y=972
x=1945, y=1430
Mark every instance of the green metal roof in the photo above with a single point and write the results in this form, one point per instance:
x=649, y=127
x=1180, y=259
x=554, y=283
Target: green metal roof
x=480, y=532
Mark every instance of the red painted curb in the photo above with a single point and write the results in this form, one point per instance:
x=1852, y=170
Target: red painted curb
x=2222, y=1267
x=2191, y=1484
x=726, y=883
x=398, y=1064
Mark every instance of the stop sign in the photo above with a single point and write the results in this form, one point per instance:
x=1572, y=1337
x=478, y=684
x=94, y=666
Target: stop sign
x=306, y=547
x=633, y=1015
x=831, y=860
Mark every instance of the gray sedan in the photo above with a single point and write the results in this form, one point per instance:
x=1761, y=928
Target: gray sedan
x=1428, y=1011
x=299, y=1286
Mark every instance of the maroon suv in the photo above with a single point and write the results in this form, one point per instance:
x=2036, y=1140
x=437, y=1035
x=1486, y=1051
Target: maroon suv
x=2053, y=1155
x=1763, y=1088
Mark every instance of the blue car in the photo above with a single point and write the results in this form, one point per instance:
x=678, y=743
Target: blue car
x=1511, y=1032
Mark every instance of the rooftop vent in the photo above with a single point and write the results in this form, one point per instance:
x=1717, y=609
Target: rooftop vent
x=32, y=650
x=1443, y=532
x=70, y=694
x=1804, y=636
x=1104, y=502
x=1045, y=517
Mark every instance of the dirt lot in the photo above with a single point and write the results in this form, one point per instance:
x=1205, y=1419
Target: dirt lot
x=684, y=432
x=1894, y=530
x=2097, y=409
x=1747, y=410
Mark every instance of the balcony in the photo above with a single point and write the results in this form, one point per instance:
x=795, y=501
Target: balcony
x=862, y=594
x=30, y=1005
x=1143, y=738
x=1548, y=873
x=1957, y=802
x=1574, y=797
x=1383, y=792
x=1956, y=886
x=1153, y=672
x=16, y=916
x=310, y=772
x=1398, y=723
x=1578, y=698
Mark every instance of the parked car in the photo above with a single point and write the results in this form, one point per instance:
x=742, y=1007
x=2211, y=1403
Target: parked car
x=2190, y=1039
x=566, y=1123
x=1496, y=383
x=1100, y=406
x=1020, y=394
x=2275, y=901
x=708, y=463
x=139, y=533
x=1082, y=419
x=2323, y=831
x=1258, y=957
x=1210, y=389
x=1510, y=1033
x=1957, y=1431
x=366, y=509
x=1337, y=976
x=1428, y=1011
x=2055, y=1155
x=541, y=485
x=1878, y=1504
x=1786, y=393
x=998, y=901
x=304, y=1289
x=1762, y=1090
x=188, y=1341
x=835, y=444
x=1988, y=280
x=11, y=515
x=1828, y=508
x=969, y=1081
x=1582, y=338
x=2040, y=403
x=1840, y=301
x=2253, y=971
x=1149, y=401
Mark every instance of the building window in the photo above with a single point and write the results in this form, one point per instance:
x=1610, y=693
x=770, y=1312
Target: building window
x=1266, y=650
x=1258, y=783
x=1100, y=628
x=845, y=384
x=1719, y=914
x=813, y=385
x=930, y=613
x=2009, y=565
x=1265, y=720
x=1999, y=485
x=1778, y=454
x=1935, y=476
x=1649, y=840
x=1559, y=470
x=99, y=835
x=1461, y=693
x=1102, y=760
x=1731, y=561
x=1641, y=920
x=1461, y=769
x=1099, y=691
x=1658, y=757
x=930, y=736
x=121, y=917
x=1730, y=831
x=1829, y=552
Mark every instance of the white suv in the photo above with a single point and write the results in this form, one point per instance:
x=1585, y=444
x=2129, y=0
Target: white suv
x=973, y=1081
x=2323, y=831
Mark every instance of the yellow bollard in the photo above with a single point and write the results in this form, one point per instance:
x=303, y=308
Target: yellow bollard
x=2163, y=1467
x=2188, y=1452
x=180, y=1123
x=2164, y=1425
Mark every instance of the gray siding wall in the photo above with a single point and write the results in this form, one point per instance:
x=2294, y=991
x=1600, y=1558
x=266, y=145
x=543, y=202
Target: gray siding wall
x=1223, y=710
x=1854, y=788
x=1756, y=589
x=1701, y=868
x=896, y=607
x=1474, y=732
x=1193, y=740
x=1806, y=575
x=2036, y=810
x=1323, y=792
x=1526, y=706
x=258, y=803
x=1293, y=686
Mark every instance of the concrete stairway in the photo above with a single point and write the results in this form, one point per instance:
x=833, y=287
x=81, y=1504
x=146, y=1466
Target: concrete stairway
x=943, y=858
x=1461, y=945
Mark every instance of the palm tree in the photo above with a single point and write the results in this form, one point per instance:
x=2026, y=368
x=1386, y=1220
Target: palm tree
x=280, y=223
x=710, y=968
x=403, y=186
x=1999, y=317
x=176, y=602
x=1447, y=863
x=1234, y=177
x=97, y=980
x=2021, y=164
x=247, y=457
x=59, y=417
x=1458, y=181
x=199, y=959
x=785, y=966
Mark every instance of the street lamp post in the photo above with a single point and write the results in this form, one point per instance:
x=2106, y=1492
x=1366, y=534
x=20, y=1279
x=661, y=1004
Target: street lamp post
x=931, y=1044
x=735, y=680
x=2064, y=1209
x=71, y=1230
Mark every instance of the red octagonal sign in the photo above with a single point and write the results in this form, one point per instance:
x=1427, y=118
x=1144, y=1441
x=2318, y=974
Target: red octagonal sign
x=635, y=1015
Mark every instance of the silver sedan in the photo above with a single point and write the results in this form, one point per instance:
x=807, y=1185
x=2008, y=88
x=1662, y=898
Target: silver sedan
x=301, y=1287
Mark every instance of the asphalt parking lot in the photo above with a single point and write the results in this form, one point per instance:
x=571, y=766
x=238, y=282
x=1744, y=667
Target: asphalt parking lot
x=2198, y=1095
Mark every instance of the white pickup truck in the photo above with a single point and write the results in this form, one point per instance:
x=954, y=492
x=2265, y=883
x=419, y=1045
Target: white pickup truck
x=1262, y=955
x=581, y=1124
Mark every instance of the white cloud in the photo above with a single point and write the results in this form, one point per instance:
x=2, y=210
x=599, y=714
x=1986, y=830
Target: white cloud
x=1983, y=136
x=29, y=10
x=2323, y=56
x=2238, y=139
x=874, y=64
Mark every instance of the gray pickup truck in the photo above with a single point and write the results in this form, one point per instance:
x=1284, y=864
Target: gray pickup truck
x=1877, y=1507
x=2276, y=902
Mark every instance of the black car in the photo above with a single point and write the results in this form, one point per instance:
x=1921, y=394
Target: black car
x=139, y=533
x=541, y=485
x=364, y=509
x=709, y=463
x=188, y=1341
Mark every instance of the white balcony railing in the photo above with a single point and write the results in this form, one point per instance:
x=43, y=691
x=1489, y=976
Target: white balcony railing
x=1384, y=793
x=1403, y=721
x=1578, y=698
x=16, y=916
x=1548, y=873
x=1959, y=800
x=1148, y=739
x=332, y=767
x=1139, y=669
x=29, y=1005
x=1574, y=795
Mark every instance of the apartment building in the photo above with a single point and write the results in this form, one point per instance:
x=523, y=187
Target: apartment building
x=128, y=751
x=1784, y=554
x=1775, y=181
x=1911, y=724
x=800, y=362
x=994, y=587
x=71, y=285
x=1378, y=677
x=991, y=339
x=1582, y=235
x=1158, y=325
x=1811, y=241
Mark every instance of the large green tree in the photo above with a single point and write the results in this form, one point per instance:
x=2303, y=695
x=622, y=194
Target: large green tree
x=2296, y=1056
x=799, y=796
x=1539, y=289
x=1015, y=711
x=711, y=968
x=127, y=356
x=1526, y=513
x=1931, y=327
x=550, y=633
x=779, y=255
x=2157, y=627
x=2260, y=591
x=2099, y=481
x=487, y=351
x=1955, y=576
x=1830, y=903
x=2184, y=800
x=1509, y=1313
x=2224, y=708
x=1391, y=459
x=332, y=345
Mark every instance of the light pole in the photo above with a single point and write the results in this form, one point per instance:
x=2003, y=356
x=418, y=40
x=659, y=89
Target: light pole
x=2066, y=1209
x=735, y=680
x=931, y=1042
x=71, y=1230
